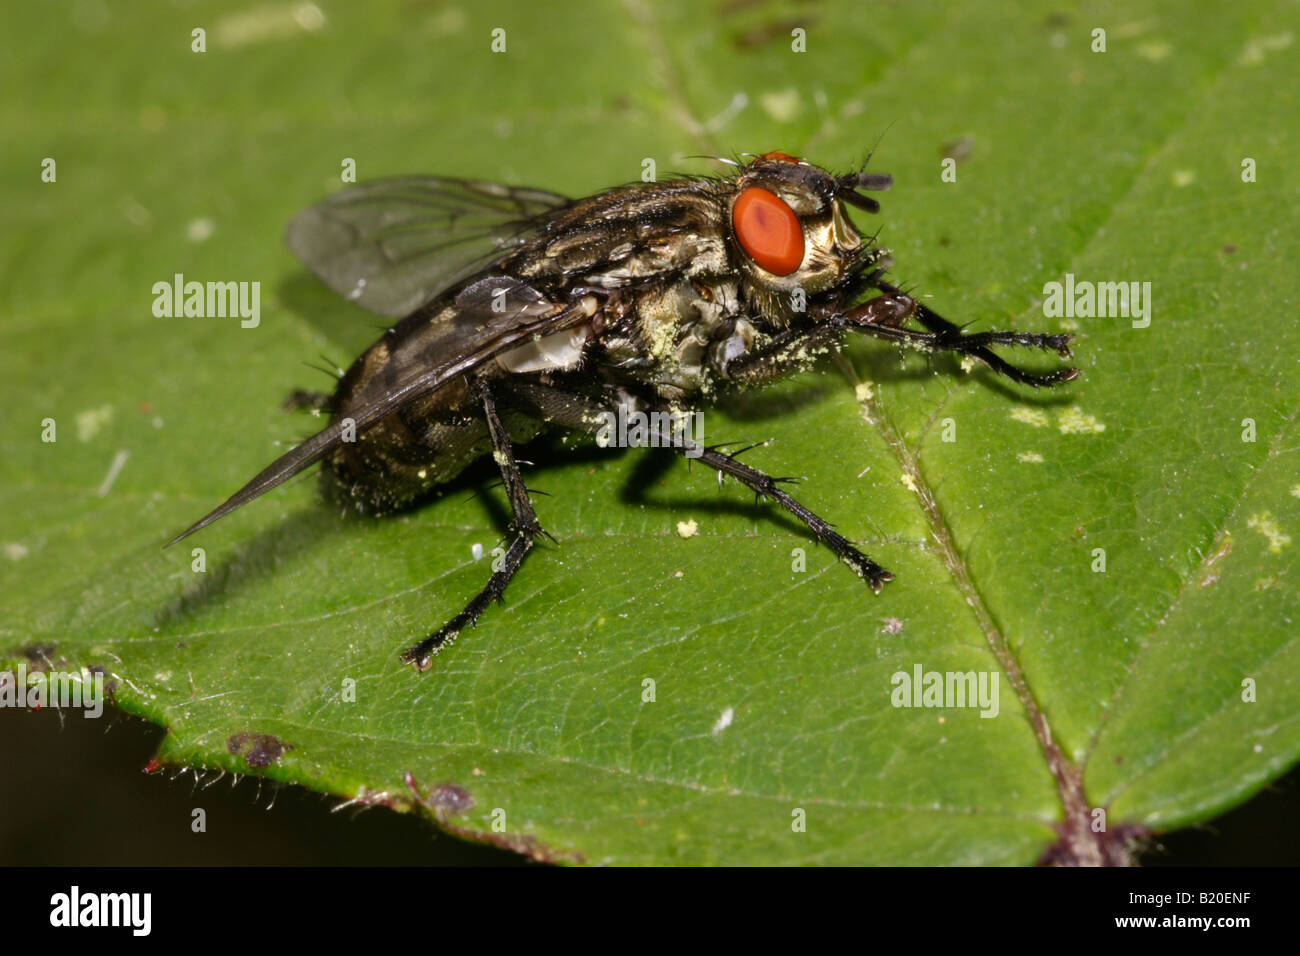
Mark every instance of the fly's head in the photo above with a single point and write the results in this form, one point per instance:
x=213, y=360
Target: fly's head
x=790, y=231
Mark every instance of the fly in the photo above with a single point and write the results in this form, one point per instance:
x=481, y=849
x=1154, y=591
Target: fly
x=522, y=311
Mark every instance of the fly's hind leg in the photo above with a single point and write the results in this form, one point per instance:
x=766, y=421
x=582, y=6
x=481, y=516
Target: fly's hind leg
x=525, y=527
x=577, y=412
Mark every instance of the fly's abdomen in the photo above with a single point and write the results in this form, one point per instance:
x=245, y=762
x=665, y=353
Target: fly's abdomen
x=400, y=457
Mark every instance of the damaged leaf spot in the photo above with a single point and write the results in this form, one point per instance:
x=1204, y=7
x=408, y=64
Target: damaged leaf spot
x=41, y=657
x=1211, y=575
x=258, y=750
x=445, y=800
x=448, y=799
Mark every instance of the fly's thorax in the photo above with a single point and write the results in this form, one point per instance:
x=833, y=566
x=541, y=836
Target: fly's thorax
x=671, y=337
x=627, y=236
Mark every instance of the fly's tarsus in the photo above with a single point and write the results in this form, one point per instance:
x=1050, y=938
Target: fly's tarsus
x=421, y=655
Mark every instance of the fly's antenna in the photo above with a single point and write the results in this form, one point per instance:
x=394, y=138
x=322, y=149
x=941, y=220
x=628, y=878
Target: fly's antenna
x=849, y=183
x=871, y=152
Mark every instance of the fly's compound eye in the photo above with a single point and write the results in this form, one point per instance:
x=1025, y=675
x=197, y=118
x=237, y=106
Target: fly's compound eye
x=768, y=231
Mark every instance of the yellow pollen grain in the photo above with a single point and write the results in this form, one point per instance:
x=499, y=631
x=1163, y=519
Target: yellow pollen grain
x=1266, y=525
x=1257, y=48
x=1030, y=416
x=782, y=105
x=92, y=421
x=1074, y=422
x=1156, y=50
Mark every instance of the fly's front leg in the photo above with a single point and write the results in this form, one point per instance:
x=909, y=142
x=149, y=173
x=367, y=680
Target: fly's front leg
x=525, y=527
x=944, y=336
x=886, y=317
x=798, y=348
x=582, y=414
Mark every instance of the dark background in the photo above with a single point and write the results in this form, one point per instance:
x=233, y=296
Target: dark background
x=75, y=794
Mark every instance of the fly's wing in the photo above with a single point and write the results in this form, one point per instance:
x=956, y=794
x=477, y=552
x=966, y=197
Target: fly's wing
x=486, y=318
x=392, y=245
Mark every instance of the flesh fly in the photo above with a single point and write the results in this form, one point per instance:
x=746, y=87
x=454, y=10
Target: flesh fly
x=523, y=311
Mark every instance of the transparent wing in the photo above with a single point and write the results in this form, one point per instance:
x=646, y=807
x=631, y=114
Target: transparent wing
x=488, y=318
x=392, y=245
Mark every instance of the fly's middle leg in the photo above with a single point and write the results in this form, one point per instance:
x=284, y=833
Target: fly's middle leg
x=798, y=347
x=582, y=414
x=767, y=486
x=525, y=528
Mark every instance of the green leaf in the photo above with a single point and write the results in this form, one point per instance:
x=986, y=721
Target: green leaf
x=1128, y=689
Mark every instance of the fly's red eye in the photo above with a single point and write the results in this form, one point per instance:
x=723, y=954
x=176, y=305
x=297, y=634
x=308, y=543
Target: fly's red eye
x=768, y=231
x=779, y=157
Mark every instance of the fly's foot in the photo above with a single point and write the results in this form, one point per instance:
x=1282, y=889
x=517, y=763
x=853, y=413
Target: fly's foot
x=875, y=576
x=421, y=655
